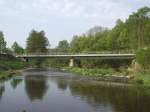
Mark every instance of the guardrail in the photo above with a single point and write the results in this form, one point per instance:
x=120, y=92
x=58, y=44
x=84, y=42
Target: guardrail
x=78, y=53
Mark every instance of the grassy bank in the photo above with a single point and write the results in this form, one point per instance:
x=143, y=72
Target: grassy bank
x=97, y=71
x=4, y=74
x=142, y=79
x=11, y=64
x=10, y=67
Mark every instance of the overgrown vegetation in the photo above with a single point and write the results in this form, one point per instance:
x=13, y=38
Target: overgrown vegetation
x=128, y=35
x=97, y=72
x=143, y=58
x=143, y=79
x=143, y=74
x=9, y=67
x=4, y=74
x=12, y=64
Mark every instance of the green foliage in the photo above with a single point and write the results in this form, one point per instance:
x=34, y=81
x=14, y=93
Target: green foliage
x=92, y=72
x=17, y=48
x=9, y=67
x=4, y=74
x=125, y=36
x=143, y=57
x=2, y=43
x=12, y=64
x=37, y=63
x=138, y=25
x=128, y=35
x=37, y=42
x=56, y=63
x=63, y=46
x=142, y=78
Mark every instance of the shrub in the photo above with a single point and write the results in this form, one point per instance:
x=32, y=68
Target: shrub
x=143, y=57
x=142, y=78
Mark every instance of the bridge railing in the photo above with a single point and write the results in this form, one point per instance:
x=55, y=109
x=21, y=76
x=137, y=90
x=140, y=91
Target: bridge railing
x=79, y=53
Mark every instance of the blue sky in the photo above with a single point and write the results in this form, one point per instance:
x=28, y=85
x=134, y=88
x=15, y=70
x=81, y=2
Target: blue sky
x=61, y=19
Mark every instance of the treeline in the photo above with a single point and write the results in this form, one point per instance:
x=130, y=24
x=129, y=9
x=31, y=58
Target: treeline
x=128, y=35
x=15, y=48
x=132, y=34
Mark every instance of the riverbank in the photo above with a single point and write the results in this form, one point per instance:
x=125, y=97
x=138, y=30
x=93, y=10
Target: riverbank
x=10, y=67
x=10, y=73
x=122, y=76
x=102, y=74
x=142, y=79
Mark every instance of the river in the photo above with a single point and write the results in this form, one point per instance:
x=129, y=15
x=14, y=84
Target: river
x=58, y=91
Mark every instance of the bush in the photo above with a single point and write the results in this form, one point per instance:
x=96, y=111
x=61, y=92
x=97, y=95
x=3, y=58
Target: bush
x=140, y=81
x=92, y=72
x=143, y=57
x=142, y=78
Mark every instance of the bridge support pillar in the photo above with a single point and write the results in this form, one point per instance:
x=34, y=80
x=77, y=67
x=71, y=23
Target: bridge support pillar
x=71, y=62
x=25, y=59
x=135, y=66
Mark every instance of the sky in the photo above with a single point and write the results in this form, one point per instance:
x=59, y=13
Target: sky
x=61, y=19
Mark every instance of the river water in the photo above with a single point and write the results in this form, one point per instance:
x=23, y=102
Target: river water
x=58, y=91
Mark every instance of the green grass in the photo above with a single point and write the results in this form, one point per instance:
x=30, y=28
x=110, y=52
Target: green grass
x=143, y=79
x=9, y=67
x=12, y=64
x=5, y=75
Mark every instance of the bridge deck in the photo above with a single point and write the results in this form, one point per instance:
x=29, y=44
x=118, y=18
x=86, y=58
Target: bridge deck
x=105, y=56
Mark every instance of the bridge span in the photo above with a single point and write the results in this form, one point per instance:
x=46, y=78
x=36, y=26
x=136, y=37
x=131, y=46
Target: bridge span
x=101, y=56
x=73, y=57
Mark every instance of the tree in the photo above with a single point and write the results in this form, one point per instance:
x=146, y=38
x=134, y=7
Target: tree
x=2, y=42
x=95, y=30
x=17, y=48
x=63, y=46
x=143, y=57
x=138, y=25
x=117, y=38
x=37, y=42
x=74, y=45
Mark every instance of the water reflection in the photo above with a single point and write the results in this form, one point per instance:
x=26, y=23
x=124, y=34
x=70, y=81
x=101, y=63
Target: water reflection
x=62, y=84
x=70, y=94
x=36, y=86
x=121, y=98
x=16, y=82
x=2, y=90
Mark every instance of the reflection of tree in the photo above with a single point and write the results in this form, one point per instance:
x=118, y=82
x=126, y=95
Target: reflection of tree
x=16, y=82
x=62, y=84
x=36, y=87
x=2, y=89
x=122, y=99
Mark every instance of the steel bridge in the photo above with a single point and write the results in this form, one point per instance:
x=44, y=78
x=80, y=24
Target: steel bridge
x=78, y=56
x=73, y=56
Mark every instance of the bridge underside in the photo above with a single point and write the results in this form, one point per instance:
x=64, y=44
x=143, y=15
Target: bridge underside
x=72, y=58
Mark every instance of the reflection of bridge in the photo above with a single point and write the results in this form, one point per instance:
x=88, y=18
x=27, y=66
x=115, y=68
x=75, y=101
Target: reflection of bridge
x=72, y=56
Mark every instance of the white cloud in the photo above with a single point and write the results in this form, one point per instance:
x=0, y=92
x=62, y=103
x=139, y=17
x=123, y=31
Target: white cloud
x=87, y=9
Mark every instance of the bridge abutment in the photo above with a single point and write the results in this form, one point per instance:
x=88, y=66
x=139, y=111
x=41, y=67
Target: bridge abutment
x=71, y=62
x=25, y=59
